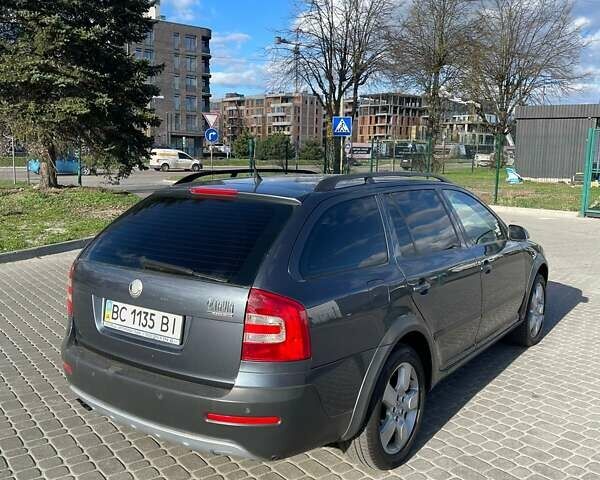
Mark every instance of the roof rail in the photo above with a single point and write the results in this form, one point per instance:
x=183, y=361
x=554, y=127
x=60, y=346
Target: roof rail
x=234, y=172
x=330, y=183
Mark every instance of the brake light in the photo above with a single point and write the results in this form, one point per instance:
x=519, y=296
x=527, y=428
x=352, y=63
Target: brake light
x=70, y=292
x=275, y=329
x=214, y=192
x=241, y=420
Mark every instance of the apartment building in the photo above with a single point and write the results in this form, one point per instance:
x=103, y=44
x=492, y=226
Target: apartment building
x=184, y=82
x=387, y=116
x=468, y=129
x=298, y=115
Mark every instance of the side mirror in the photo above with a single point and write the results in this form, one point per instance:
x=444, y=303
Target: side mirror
x=517, y=233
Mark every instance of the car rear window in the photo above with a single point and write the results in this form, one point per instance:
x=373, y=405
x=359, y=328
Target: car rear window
x=224, y=239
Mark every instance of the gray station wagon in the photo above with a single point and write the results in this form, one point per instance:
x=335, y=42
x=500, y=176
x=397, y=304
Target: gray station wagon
x=265, y=316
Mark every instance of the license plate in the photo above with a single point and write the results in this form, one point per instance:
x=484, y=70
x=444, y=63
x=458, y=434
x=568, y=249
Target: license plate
x=143, y=322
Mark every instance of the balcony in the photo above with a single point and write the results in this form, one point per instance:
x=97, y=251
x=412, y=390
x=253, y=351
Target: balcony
x=277, y=114
x=284, y=123
x=282, y=105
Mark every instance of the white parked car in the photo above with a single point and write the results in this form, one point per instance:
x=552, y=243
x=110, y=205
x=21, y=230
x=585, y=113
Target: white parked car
x=166, y=159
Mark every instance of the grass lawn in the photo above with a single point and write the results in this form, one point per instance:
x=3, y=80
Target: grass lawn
x=31, y=218
x=20, y=161
x=553, y=196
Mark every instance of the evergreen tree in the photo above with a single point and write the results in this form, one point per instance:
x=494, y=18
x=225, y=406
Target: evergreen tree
x=240, y=145
x=67, y=79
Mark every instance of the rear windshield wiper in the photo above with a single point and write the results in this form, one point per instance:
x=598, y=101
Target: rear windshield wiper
x=177, y=269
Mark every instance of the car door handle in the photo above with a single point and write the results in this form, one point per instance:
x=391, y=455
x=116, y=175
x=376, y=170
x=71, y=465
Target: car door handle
x=422, y=287
x=486, y=267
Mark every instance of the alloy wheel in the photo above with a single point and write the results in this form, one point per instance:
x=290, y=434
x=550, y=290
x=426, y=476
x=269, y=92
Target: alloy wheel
x=399, y=409
x=536, y=310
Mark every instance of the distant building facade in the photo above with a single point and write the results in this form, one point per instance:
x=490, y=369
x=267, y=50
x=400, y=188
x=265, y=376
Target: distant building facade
x=298, y=115
x=184, y=82
x=551, y=139
x=468, y=129
x=387, y=116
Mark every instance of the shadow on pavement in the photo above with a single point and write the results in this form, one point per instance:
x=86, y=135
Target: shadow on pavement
x=454, y=392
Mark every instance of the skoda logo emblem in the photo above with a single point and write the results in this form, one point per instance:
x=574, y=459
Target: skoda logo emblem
x=135, y=288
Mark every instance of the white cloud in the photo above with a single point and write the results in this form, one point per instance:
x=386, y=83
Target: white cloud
x=183, y=10
x=236, y=38
x=250, y=78
x=582, y=22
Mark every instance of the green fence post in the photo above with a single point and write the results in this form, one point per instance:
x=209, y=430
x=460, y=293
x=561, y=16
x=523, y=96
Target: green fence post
x=587, y=172
x=372, y=152
x=499, y=147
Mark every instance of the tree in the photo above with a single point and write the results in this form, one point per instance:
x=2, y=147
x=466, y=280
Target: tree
x=67, y=80
x=312, y=151
x=240, y=145
x=275, y=148
x=428, y=52
x=322, y=56
x=369, y=48
x=523, y=51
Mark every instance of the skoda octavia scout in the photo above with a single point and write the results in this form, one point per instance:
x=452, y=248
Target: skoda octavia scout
x=265, y=316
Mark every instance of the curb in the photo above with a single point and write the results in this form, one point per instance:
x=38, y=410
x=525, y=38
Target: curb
x=44, y=250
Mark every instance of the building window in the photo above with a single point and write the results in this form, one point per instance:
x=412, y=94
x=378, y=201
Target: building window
x=191, y=122
x=176, y=40
x=176, y=102
x=191, y=82
x=190, y=42
x=206, y=105
x=176, y=82
x=205, y=85
x=139, y=54
x=190, y=103
x=190, y=63
x=149, y=39
x=205, y=46
x=149, y=55
x=176, y=62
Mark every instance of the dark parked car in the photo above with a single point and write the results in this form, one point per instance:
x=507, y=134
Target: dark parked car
x=264, y=317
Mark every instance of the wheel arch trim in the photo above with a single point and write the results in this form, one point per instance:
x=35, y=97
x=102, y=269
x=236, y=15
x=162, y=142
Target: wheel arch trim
x=392, y=338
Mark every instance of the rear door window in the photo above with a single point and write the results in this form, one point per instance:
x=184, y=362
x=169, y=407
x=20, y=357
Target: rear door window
x=222, y=239
x=347, y=236
x=427, y=220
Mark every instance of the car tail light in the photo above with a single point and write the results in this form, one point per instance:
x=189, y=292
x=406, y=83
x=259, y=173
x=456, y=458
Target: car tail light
x=70, y=292
x=241, y=420
x=214, y=191
x=275, y=329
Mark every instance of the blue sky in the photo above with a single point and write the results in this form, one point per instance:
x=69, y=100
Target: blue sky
x=242, y=29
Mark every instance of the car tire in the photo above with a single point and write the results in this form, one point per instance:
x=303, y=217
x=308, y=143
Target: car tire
x=164, y=167
x=530, y=331
x=195, y=167
x=85, y=171
x=395, y=415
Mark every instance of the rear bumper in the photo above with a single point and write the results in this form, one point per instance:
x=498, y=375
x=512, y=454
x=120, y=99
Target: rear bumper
x=193, y=441
x=174, y=409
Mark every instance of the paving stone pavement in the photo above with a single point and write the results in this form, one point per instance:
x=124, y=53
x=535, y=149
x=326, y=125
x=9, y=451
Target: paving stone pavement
x=508, y=414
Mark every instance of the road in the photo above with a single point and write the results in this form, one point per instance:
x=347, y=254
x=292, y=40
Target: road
x=509, y=414
x=141, y=183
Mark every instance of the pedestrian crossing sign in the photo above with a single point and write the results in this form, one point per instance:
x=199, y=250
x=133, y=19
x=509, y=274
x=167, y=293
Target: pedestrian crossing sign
x=342, y=126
